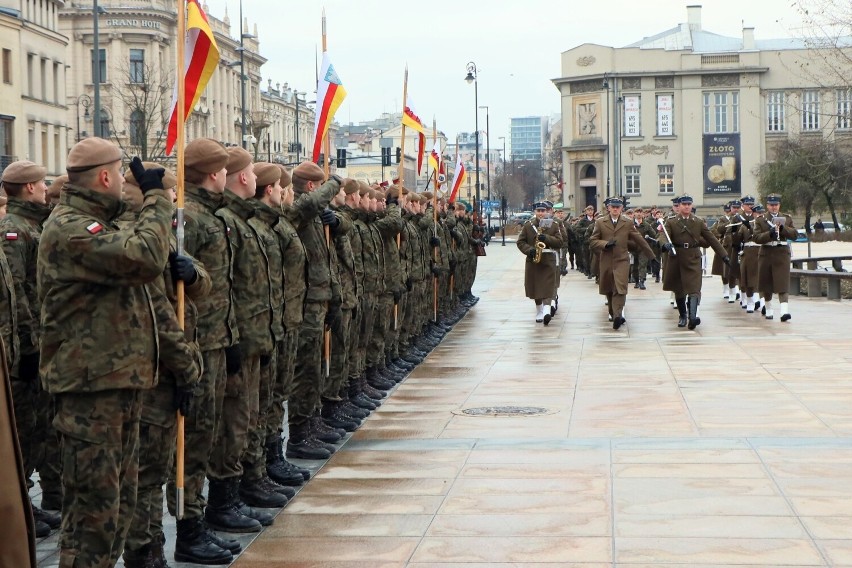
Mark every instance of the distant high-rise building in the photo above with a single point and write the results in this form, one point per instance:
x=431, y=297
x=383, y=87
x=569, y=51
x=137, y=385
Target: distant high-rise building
x=529, y=137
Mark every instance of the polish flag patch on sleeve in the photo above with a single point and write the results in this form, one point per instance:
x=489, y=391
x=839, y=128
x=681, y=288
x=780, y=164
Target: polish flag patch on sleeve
x=11, y=236
x=95, y=228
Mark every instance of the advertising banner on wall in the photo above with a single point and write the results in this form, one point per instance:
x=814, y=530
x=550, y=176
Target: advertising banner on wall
x=665, y=104
x=632, y=110
x=722, y=164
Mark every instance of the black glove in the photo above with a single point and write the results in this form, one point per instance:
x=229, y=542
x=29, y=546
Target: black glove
x=773, y=233
x=453, y=264
x=338, y=179
x=435, y=242
x=28, y=367
x=391, y=200
x=747, y=223
x=531, y=253
x=329, y=218
x=436, y=270
x=265, y=360
x=332, y=314
x=182, y=268
x=609, y=244
x=182, y=399
x=233, y=363
x=147, y=179
x=409, y=285
x=727, y=260
x=397, y=296
x=541, y=237
x=667, y=247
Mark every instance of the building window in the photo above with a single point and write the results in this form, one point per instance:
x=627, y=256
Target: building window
x=137, y=65
x=631, y=180
x=810, y=110
x=101, y=62
x=632, y=112
x=844, y=108
x=666, y=173
x=721, y=112
x=30, y=76
x=776, y=112
x=56, y=83
x=137, y=127
x=7, y=66
x=7, y=126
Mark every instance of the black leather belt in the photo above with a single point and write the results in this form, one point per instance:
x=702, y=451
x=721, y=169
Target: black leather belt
x=685, y=246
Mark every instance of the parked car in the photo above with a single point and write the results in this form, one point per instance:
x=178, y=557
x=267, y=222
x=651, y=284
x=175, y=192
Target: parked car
x=830, y=228
x=803, y=236
x=521, y=218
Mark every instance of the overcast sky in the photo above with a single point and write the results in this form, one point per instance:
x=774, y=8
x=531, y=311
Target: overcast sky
x=516, y=46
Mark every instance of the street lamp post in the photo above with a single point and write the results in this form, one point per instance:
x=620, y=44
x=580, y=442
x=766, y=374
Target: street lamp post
x=298, y=144
x=241, y=49
x=96, y=67
x=503, y=198
x=86, y=102
x=471, y=78
x=487, y=167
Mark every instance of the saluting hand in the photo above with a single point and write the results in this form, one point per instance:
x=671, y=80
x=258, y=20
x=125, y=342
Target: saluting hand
x=147, y=179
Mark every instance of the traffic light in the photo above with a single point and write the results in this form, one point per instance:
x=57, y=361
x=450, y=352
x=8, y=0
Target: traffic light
x=386, y=156
x=398, y=154
x=341, y=157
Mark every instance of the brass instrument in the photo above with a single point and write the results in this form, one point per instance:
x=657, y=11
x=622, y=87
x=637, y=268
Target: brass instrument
x=539, y=248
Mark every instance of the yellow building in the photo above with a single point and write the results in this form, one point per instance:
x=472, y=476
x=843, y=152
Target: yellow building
x=688, y=111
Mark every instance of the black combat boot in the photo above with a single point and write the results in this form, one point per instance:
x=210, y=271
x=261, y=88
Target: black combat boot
x=52, y=520
x=333, y=418
x=141, y=558
x=301, y=445
x=254, y=494
x=262, y=517
x=349, y=407
x=270, y=485
x=681, y=310
x=158, y=552
x=193, y=544
x=229, y=544
x=694, y=320
x=222, y=512
x=280, y=470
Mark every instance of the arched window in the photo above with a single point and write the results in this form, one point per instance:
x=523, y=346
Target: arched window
x=137, y=127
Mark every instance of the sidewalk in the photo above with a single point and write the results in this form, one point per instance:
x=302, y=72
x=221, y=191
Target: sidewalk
x=727, y=445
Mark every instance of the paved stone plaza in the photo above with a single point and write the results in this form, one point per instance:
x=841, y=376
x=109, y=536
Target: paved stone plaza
x=724, y=446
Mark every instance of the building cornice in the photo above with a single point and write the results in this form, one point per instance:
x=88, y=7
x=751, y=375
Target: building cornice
x=661, y=73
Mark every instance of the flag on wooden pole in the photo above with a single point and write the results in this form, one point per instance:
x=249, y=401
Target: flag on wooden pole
x=458, y=176
x=330, y=95
x=411, y=119
x=201, y=56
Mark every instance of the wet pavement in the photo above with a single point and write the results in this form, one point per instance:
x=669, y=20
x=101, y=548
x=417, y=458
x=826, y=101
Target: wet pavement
x=657, y=446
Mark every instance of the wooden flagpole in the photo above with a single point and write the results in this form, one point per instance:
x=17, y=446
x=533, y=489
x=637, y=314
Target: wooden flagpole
x=181, y=142
x=435, y=223
x=326, y=344
x=401, y=176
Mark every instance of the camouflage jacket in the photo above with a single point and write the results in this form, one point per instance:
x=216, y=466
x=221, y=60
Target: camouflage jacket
x=323, y=283
x=345, y=261
x=415, y=249
x=295, y=277
x=205, y=240
x=430, y=228
x=372, y=259
x=20, y=232
x=251, y=280
x=99, y=327
x=265, y=218
x=357, y=245
x=389, y=225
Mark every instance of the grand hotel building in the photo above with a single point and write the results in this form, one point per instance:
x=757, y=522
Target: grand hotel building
x=689, y=111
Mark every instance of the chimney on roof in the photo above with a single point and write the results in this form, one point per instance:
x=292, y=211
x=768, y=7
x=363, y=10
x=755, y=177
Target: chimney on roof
x=694, y=17
x=748, y=39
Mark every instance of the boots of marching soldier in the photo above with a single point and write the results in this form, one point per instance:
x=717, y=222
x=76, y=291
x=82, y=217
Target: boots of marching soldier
x=375, y=379
x=300, y=445
x=280, y=470
x=364, y=391
x=349, y=407
x=323, y=431
x=45, y=521
x=735, y=294
x=692, y=306
x=222, y=510
x=158, y=550
x=756, y=299
x=749, y=307
x=539, y=314
x=335, y=417
x=642, y=284
x=784, y=308
x=726, y=291
x=769, y=309
x=194, y=544
x=143, y=558
x=681, y=311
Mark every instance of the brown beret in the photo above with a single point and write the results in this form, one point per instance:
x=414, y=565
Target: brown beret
x=286, y=178
x=267, y=174
x=238, y=159
x=308, y=171
x=393, y=191
x=405, y=190
x=54, y=188
x=24, y=171
x=90, y=153
x=350, y=186
x=363, y=188
x=205, y=155
x=427, y=195
x=414, y=197
x=169, y=179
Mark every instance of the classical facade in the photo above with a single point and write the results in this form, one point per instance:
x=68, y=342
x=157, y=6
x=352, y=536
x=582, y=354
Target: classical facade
x=689, y=111
x=33, y=65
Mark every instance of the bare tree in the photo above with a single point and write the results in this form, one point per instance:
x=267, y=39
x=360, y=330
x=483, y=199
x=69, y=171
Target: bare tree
x=827, y=31
x=508, y=187
x=145, y=92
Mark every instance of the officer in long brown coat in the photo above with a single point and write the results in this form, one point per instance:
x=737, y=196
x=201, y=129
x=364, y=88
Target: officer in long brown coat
x=684, y=235
x=540, y=278
x=610, y=239
x=772, y=232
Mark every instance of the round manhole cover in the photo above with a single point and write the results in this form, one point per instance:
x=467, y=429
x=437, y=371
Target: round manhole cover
x=521, y=411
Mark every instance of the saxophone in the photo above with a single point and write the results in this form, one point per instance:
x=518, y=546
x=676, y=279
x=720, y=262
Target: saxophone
x=539, y=246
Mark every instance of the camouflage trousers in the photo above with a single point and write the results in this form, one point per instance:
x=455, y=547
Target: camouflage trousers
x=254, y=456
x=100, y=460
x=367, y=308
x=239, y=416
x=382, y=321
x=157, y=429
x=308, y=379
x=354, y=338
x=24, y=395
x=200, y=427
x=339, y=355
x=284, y=362
x=48, y=459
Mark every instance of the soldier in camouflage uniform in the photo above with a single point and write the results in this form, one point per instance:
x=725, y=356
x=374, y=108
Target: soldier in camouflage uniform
x=581, y=228
x=204, y=169
x=20, y=230
x=99, y=347
x=236, y=440
x=309, y=214
x=178, y=373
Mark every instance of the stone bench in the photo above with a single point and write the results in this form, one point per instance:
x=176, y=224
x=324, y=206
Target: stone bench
x=814, y=280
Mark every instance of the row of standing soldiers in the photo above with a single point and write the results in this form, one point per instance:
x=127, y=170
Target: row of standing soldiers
x=314, y=292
